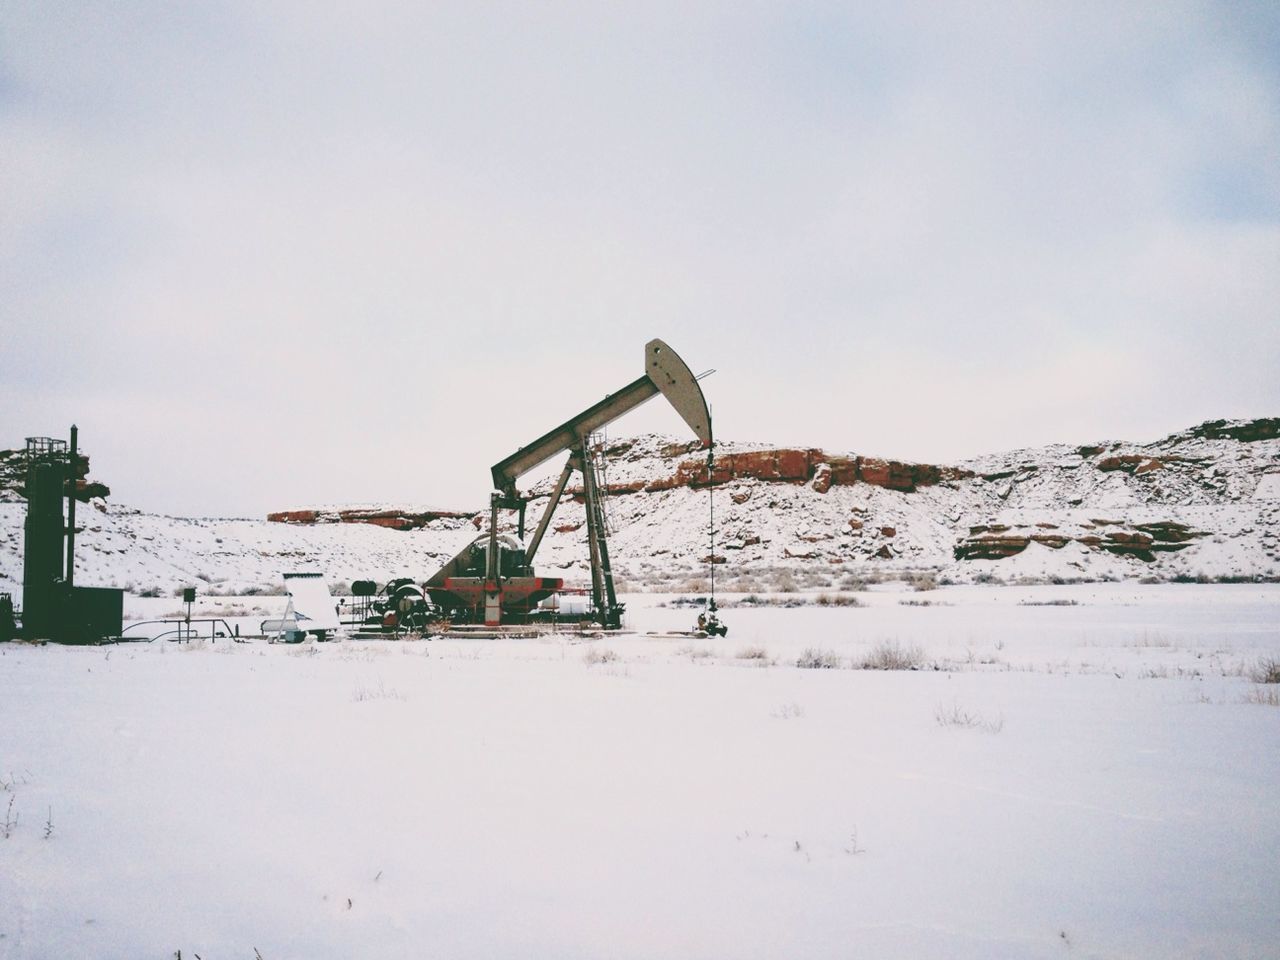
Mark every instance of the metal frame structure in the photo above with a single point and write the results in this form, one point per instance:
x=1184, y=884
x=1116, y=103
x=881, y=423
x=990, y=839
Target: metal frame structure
x=54, y=608
x=664, y=373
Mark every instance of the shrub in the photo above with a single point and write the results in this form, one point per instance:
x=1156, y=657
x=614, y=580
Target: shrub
x=957, y=716
x=1267, y=671
x=753, y=600
x=378, y=691
x=753, y=653
x=890, y=655
x=814, y=659
x=926, y=580
x=836, y=600
x=787, y=711
x=598, y=655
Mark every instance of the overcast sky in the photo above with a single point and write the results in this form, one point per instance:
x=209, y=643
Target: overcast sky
x=274, y=254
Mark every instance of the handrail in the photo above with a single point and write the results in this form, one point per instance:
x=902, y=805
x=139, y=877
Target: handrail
x=232, y=632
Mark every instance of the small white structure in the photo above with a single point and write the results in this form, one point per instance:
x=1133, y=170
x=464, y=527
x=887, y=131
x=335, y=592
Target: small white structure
x=310, y=610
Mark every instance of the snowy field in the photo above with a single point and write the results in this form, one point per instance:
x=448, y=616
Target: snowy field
x=1072, y=771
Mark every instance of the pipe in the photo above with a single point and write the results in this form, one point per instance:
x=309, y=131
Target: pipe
x=73, y=480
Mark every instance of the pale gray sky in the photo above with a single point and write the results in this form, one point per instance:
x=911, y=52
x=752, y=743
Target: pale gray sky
x=271, y=254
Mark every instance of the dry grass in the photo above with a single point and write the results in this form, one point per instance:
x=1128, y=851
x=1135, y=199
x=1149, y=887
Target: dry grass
x=837, y=600
x=1266, y=671
x=375, y=691
x=787, y=711
x=891, y=655
x=922, y=581
x=1267, y=696
x=814, y=659
x=957, y=716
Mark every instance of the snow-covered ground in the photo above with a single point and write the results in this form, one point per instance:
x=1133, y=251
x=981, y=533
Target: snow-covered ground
x=1075, y=770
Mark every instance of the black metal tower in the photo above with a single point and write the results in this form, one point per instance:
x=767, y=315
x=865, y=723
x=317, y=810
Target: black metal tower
x=42, y=566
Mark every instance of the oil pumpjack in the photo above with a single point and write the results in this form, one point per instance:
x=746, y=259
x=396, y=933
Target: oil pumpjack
x=492, y=579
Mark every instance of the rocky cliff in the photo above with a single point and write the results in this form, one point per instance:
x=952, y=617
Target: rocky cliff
x=1202, y=502
x=394, y=518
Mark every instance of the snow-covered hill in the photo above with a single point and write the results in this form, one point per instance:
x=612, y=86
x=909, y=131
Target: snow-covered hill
x=1201, y=503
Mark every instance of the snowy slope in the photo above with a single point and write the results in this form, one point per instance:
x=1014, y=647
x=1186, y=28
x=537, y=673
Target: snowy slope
x=1203, y=502
x=124, y=547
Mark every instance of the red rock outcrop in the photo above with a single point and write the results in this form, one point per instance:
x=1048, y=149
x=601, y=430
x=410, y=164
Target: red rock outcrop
x=1124, y=461
x=1130, y=463
x=822, y=478
x=1168, y=531
x=86, y=490
x=987, y=547
x=392, y=519
x=294, y=516
x=995, y=541
x=1246, y=431
x=844, y=471
x=786, y=465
